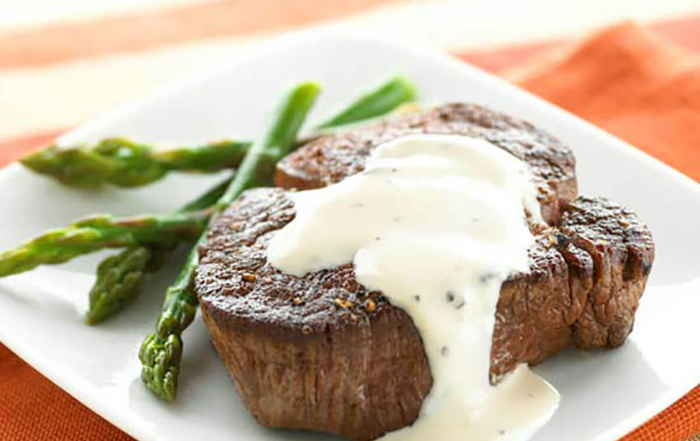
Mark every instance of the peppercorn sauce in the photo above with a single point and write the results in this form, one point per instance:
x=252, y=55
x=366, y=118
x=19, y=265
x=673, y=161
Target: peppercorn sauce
x=436, y=223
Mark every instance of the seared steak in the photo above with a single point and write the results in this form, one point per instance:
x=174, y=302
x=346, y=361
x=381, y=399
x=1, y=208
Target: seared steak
x=320, y=352
x=330, y=158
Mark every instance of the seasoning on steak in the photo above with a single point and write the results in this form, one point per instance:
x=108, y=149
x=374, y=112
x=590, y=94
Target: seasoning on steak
x=330, y=158
x=320, y=352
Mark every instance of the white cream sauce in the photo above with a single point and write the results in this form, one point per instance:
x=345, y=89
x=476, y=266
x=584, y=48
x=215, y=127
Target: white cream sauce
x=436, y=223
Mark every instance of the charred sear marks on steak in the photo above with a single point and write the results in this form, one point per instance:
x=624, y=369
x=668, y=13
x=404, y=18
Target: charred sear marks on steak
x=330, y=158
x=622, y=251
x=321, y=352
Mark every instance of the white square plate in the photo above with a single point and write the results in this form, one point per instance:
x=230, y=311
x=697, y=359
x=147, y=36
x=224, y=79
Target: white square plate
x=604, y=394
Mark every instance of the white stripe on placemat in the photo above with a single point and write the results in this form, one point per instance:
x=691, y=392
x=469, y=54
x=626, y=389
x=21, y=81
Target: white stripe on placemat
x=37, y=99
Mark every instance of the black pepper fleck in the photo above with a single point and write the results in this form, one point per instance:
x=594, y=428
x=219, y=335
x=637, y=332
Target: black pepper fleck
x=562, y=241
x=486, y=278
x=445, y=351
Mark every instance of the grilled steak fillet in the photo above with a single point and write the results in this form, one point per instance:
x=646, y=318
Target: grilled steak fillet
x=330, y=158
x=320, y=352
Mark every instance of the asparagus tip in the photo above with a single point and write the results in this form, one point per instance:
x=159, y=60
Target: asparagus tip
x=161, y=365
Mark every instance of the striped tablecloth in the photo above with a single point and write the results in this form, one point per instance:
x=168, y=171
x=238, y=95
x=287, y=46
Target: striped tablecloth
x=63, y=63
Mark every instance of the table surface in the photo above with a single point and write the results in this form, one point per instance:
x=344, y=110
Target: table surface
x=32, y=92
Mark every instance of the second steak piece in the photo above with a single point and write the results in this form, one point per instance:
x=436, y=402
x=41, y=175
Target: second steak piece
x=331, y=158
x=320, y=352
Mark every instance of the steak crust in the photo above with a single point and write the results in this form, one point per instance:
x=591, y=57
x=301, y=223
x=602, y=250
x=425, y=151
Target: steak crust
x=321, y=352
x=330, y=158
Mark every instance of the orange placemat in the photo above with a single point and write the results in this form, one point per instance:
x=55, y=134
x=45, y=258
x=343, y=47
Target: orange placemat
x=623, y=79
x=632, y=84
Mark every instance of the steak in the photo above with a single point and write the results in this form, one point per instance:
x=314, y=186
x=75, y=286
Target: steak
x=321, y=352
x=330, y=158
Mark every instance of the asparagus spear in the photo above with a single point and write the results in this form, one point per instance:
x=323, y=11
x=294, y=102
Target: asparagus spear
x=118, y=282
x=161, y=351
x=375, y=103
x=124, y=163
x=119, y=277
x=98, y=232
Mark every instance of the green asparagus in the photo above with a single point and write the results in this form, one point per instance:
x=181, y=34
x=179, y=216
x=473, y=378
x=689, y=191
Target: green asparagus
x=119, y=277
x=375, y=103
x=124, y=163
x=118, y=282
x=98, y=232
x=161, y=351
